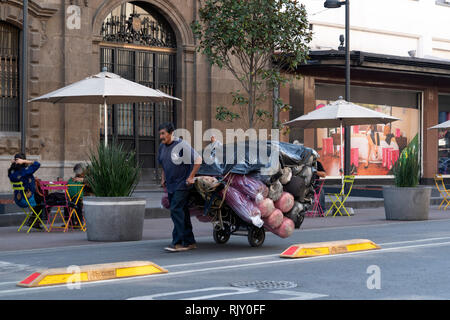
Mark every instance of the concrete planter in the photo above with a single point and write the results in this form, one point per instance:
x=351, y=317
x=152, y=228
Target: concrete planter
x=406, y=203
x=114, y=219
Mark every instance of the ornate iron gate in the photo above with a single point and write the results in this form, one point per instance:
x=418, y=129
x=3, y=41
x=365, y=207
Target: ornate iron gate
x=140, y=50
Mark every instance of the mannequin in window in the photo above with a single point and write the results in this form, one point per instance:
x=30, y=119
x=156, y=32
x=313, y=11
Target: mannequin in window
x=373, y=139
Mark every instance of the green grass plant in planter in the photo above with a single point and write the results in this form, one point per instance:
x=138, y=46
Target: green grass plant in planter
x=112, y=171
x=113, y=214
x=407, y=168
x=407, y=200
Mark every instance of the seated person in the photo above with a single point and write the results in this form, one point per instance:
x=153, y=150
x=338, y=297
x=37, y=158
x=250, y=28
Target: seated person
x=22, y=170
x=75, y=185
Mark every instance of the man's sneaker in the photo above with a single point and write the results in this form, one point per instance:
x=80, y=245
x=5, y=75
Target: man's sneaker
x=191, y=246
x=176, y=248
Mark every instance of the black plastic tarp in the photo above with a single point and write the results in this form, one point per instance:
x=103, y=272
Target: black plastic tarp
x=253, y=156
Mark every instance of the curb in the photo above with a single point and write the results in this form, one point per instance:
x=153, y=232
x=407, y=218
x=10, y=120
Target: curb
x=328, y=248
x=16, y=218
x=88, y=273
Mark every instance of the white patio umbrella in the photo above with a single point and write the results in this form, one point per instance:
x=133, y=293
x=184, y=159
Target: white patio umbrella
x=443, y=125
x=104, y=88
x=340, y=114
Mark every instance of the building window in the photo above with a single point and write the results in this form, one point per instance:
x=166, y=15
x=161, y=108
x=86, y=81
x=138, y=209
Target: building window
x=130, y=23
x=374, y=148
x=9, y=77
x=139, y=45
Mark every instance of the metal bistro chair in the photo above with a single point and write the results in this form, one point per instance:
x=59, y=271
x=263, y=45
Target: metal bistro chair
x=317, y=208
x=439, y=181
x=48, y=187
x=338, y=203
x=18, y=186
x=73, y=208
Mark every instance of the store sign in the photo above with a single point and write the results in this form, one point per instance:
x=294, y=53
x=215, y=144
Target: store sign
x=73, y=21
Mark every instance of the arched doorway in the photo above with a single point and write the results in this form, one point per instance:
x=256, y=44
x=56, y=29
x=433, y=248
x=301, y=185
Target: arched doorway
x=139, y=45
x=9, y=77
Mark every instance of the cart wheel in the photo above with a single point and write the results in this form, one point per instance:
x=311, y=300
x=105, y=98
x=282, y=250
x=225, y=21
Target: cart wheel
x=221, y=236
x=256, y=236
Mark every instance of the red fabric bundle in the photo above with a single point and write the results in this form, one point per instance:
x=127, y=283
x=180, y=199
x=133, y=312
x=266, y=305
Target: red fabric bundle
x=165, y=201
x=254, y=189
x=243, y=206
x=274, y=220
x=285, y=203
x=284, y=230
x=266, y=207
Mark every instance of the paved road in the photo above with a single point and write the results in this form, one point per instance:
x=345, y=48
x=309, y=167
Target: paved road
x=414, y=263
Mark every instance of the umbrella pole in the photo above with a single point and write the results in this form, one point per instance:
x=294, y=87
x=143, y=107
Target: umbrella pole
x=342, y=156
x=342, y=163
x=106, y=122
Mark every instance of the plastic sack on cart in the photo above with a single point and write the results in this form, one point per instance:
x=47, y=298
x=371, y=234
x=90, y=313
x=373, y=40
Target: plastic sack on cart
x=261, y=156
x=165, y=201
x=253, y=188
x=242, y=206
x=266, y=207
x=285, y=230
x=274, y=220
x=285, y=202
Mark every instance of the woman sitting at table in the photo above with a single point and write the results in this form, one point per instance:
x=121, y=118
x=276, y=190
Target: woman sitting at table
x=22, y=170
x=75, y=186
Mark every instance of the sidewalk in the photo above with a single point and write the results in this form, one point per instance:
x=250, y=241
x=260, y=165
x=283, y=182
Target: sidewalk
x=13, y=216
x=161, y=228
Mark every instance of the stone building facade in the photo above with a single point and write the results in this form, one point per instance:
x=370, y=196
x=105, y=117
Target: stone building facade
x=150, y=42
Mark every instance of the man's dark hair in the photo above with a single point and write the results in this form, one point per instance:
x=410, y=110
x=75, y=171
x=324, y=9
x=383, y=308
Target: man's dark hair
x=168, y=126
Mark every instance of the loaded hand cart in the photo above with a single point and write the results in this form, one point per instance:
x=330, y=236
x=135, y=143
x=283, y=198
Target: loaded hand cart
x=209, y=198
x=240, y=198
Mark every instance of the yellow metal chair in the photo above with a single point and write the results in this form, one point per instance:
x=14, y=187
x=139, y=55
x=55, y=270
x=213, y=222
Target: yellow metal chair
x=73, y=210
x=439, y=181
x=341, y=197
x=18, y=186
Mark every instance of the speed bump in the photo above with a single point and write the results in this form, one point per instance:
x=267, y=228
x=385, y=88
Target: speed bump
x=328, y=248
x=94, y=272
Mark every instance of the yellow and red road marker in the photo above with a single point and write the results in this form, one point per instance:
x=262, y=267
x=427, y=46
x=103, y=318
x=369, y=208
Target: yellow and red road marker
x=328, y=248
x=89, y=273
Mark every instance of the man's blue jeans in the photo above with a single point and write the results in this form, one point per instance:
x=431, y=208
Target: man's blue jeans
x=179, y=212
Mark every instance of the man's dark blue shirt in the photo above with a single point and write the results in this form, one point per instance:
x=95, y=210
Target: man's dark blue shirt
x=176, y=166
